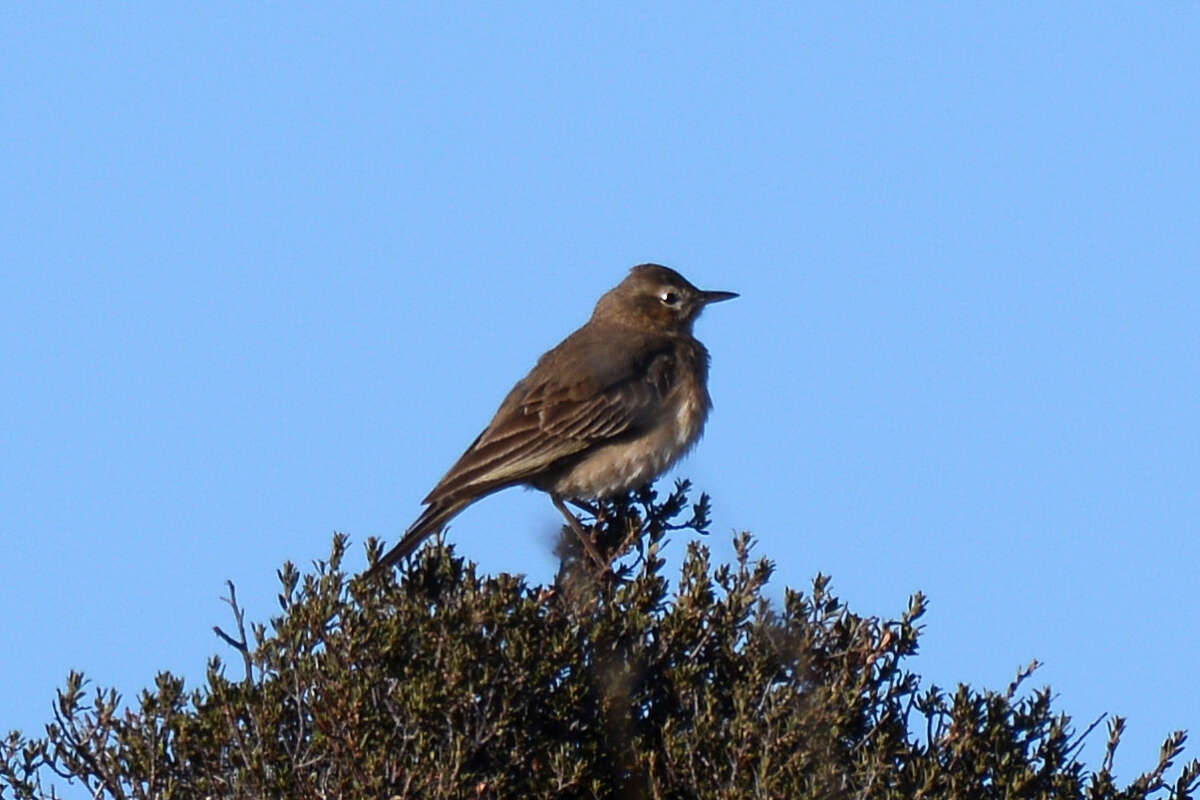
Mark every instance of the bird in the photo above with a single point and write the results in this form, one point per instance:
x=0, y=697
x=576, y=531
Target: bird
x=610, y=408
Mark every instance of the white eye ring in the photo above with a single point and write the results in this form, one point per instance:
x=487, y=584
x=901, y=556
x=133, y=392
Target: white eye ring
x=670, y=298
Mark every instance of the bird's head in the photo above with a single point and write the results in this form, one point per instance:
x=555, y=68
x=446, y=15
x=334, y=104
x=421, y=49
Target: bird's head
x=657, y=298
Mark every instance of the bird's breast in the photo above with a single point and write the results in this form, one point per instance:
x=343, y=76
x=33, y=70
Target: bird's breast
x=627, y=463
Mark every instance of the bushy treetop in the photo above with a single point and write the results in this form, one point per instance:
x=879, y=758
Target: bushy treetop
x=439, y=682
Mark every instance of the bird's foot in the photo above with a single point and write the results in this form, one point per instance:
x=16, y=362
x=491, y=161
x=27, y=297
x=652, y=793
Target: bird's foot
x=584, y=537
x=587, y=508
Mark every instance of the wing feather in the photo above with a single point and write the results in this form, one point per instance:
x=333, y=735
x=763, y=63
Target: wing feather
x=546, y=419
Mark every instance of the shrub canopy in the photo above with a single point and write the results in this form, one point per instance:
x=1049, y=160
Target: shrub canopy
x=439, y=682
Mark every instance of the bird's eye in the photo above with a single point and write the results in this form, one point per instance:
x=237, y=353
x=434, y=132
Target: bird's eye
x=670, y=298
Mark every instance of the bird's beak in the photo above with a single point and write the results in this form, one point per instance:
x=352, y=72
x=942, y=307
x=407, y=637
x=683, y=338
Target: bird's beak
x=716, y=297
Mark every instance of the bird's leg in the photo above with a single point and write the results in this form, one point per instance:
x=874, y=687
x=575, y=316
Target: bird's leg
x=580, y=532
x=594, y=510
x=597, y=509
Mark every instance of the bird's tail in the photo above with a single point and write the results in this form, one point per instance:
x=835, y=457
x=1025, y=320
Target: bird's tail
x=432, y=519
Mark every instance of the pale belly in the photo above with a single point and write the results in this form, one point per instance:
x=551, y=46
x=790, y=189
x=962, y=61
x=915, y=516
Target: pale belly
x=614, y=468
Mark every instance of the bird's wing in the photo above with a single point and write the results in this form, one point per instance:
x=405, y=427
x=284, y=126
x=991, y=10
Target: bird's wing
x=561, y=409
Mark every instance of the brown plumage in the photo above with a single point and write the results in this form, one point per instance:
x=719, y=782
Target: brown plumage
x=608, y=409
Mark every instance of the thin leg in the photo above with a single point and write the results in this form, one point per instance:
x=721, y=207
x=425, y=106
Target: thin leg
x=580, y=532
x=594, y=510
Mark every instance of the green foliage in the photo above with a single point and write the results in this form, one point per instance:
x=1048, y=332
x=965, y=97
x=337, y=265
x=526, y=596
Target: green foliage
x=440, y=682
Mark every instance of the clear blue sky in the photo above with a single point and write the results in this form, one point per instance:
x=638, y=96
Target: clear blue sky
x=265, y=272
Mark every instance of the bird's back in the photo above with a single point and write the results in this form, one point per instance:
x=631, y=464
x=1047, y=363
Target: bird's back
x=601, y=383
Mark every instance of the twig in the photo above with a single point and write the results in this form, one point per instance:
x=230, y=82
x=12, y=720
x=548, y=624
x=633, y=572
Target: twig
x=241, y=645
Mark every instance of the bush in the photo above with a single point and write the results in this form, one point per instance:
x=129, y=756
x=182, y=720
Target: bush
x=440, y=682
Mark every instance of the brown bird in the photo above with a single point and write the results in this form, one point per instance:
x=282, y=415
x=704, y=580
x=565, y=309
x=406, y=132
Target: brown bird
x=607, y=410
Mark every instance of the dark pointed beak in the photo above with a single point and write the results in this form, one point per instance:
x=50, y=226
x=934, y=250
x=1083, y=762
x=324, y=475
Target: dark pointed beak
x=716, y=297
